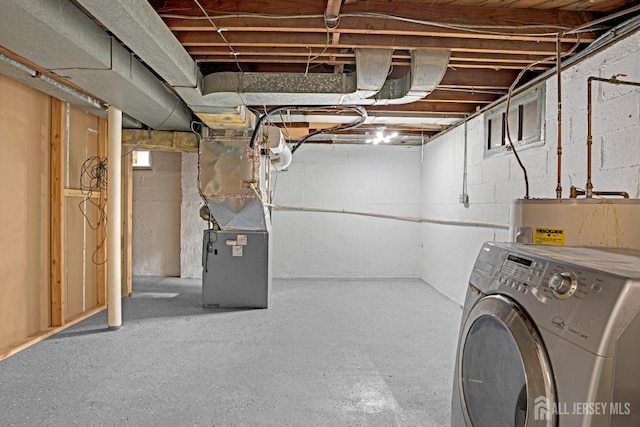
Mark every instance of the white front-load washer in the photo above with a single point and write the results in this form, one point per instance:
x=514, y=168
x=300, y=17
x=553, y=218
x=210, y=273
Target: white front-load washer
x=550, y=336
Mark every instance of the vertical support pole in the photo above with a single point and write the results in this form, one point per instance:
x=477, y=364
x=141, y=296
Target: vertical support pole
x=58, y=136
x=114, y=206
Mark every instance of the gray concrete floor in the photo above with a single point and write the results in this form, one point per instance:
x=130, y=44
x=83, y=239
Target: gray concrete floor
x=327, y=353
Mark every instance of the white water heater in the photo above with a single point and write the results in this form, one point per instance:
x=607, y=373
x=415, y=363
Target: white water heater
x=611, y=223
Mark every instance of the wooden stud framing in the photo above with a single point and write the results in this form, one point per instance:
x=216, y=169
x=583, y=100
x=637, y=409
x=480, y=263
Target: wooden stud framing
x=58, y=137
x=127, y=229
x=102, y=232
x=42, y=335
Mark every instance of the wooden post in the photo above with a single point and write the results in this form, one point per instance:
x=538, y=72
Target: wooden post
x=58, y=137
x=127, y=216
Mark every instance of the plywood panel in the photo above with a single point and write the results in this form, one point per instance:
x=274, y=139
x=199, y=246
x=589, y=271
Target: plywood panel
x=91, y=259
x=101, y=255
x=81, y=214
x=24, y=211
x=83, y=143
x=81, y=267
x=74, y=256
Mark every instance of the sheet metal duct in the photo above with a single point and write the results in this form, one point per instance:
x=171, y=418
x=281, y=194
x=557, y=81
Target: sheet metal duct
x=427, y=70
x=229, y=180
x=137, y=24
x=59, y=37
x=369, y=85
x=220, y=99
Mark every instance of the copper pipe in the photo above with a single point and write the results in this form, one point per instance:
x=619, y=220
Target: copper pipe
x=559, y=151
x=612, y=193
x=575, y=192
x=589, y=187
x=613, y=80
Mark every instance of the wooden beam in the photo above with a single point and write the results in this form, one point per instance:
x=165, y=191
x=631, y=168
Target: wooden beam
x=160, y=140
x=424, y=107
x=331, y=20
x=340, y=63
x=368, y=26
x=58, y=138
x=70, y=192
x=332, y=12
x=501, y=79
x=127, y=225
x=279, y=42
x=211, y=54
x=268, y=51
x=458, y=96
x=426, y=10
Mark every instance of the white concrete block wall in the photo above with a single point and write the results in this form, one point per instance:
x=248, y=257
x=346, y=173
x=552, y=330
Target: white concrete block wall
x=448, y=251
x=156, y=217
x=191, y=225
x=360, y=178
x=386, y=180
x=378, y=180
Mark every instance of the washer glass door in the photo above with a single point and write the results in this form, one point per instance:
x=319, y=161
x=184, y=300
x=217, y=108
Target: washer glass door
x=504, y=369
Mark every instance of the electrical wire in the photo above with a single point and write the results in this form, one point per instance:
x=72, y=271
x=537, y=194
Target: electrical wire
x=265, y=116
x=93, y=178
x=363, y=117
x=202, y=141
x=219, y=31
x=509, y=96
x=326, y=45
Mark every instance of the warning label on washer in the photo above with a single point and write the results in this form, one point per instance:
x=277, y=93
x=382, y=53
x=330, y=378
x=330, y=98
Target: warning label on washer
x=549, y=236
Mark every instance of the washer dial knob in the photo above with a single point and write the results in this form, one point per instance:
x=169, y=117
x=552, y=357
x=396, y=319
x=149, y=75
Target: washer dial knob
x=563, y=284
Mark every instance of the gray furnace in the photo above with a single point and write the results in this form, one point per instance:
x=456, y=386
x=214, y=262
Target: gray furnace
x=236, y=269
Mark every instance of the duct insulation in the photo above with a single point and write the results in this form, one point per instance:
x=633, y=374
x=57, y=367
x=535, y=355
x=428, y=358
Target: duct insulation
x=230, y=182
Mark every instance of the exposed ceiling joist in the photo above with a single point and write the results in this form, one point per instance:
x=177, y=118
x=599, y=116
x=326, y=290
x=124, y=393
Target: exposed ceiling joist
x=455, y=11
x=356, y=25
x=186, y=44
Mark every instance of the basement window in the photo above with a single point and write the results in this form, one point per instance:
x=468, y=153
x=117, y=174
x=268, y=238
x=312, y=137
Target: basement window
x=526, y=121
x=141, y=159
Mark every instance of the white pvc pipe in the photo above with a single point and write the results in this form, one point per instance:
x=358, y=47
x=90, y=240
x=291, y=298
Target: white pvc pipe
x=284, y=159
x=395, y=217
x=114, y=209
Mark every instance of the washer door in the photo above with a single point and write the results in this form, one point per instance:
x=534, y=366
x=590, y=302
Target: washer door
x=505, y=377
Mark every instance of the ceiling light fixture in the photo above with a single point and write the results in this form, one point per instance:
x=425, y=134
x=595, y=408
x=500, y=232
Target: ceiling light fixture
x=381, y=137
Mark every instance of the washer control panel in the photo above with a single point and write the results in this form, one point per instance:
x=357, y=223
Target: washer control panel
x=524, y=269
x=527, y=275
x=521, y=274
